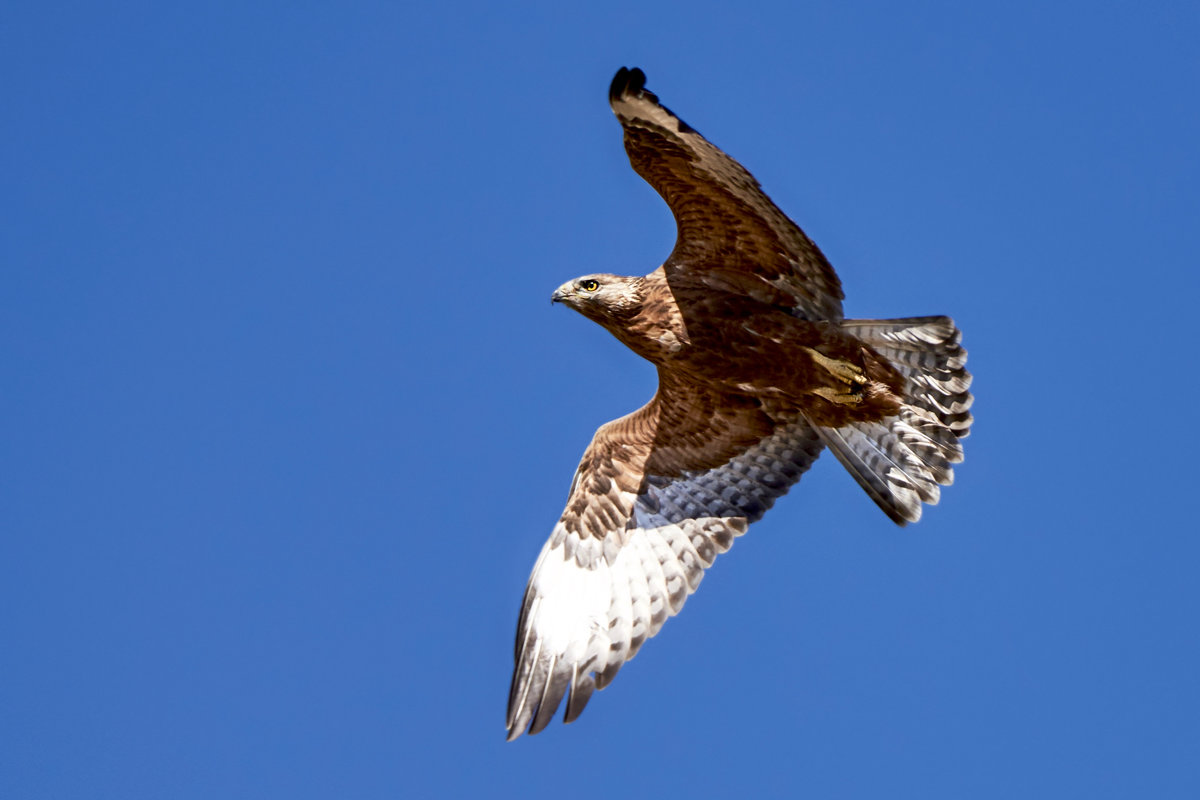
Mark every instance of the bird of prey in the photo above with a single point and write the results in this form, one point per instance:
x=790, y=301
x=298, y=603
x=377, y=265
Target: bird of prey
x=758, y=371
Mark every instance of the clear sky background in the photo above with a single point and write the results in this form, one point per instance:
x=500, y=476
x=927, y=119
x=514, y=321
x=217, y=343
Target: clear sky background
x=287, y=413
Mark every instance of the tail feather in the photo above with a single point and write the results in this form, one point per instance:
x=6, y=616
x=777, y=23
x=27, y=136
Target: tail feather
x=903, y=459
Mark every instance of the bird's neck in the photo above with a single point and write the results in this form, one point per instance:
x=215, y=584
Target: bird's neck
x=656, y=332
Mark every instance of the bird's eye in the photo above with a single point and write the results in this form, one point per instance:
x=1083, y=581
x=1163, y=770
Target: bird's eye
x=589, y=285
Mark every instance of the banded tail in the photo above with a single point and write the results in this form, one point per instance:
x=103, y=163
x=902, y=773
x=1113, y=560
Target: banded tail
x=903, y=460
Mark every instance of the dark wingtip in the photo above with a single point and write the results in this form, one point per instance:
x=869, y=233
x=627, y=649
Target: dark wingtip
x=625, y=82
x=632, y=83
x=577, y=697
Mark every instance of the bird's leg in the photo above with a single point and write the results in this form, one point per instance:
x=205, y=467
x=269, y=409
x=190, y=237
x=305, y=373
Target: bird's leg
x=851, y=379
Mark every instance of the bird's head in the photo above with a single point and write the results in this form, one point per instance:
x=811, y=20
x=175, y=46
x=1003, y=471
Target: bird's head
x=603, y=298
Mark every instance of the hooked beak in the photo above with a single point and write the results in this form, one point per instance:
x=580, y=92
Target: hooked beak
x=561, y=293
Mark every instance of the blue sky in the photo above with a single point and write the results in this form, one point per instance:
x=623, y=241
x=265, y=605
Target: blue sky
x=288, y=415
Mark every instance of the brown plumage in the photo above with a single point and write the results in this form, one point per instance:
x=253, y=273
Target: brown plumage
x=757, y=372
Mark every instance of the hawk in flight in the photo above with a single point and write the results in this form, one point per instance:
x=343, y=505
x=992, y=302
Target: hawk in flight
x=757, y=372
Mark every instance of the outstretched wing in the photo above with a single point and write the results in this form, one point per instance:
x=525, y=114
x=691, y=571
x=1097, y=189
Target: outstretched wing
x=658, y=495
x=729, y=232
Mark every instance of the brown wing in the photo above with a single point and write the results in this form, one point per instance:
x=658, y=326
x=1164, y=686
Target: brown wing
x=729, y=231
x=658, y=494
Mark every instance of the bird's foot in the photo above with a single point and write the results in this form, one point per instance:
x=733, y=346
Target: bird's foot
x=850, y=377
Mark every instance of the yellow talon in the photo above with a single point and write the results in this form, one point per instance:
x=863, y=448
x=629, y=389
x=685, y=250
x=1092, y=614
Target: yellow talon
x=851, y=377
